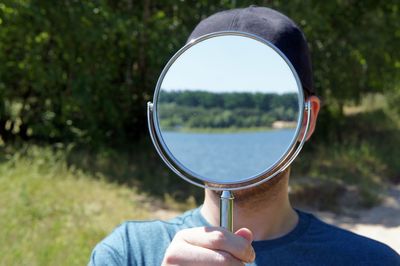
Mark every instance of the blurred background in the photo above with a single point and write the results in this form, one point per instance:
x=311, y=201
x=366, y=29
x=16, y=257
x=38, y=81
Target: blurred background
x=76, y=159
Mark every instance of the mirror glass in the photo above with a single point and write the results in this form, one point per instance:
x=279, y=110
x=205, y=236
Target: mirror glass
x=227, y=108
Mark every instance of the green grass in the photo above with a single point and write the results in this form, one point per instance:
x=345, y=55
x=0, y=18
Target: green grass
x=52, y=214
x=137, y=166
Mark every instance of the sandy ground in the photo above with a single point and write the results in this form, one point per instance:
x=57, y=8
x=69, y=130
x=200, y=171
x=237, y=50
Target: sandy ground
x=381, y=223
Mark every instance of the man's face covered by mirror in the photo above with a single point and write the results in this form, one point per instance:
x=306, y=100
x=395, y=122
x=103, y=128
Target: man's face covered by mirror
x=289, y=39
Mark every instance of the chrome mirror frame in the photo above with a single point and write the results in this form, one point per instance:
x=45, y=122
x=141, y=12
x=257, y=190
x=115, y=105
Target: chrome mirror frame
x=226, y=205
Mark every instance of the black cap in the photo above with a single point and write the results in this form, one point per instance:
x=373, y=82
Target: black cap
x=269, y=25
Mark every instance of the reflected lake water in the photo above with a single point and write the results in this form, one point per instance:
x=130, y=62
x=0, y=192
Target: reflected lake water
x=228, y=156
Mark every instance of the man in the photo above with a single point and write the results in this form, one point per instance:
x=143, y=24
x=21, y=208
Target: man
x=268, y=230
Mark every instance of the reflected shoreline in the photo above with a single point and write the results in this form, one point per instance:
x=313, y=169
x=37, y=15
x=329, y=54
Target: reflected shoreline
x=278, y=126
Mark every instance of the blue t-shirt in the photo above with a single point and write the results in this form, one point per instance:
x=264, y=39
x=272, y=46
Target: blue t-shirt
x=311, y=242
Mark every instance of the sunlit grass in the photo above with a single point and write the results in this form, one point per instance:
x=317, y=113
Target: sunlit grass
x=368, y=103
x=52, y=214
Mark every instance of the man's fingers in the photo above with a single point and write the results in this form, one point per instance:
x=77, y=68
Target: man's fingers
x=188, y=255
x=216, y=238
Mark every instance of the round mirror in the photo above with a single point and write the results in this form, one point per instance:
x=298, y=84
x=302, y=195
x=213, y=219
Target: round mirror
x=227, y=110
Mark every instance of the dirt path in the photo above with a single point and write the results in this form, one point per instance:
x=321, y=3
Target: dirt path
x=381, y=223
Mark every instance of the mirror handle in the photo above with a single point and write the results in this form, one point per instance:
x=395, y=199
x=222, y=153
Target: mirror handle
x=226, y=210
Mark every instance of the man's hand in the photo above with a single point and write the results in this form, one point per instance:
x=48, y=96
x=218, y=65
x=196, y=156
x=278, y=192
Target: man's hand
x=210, y=246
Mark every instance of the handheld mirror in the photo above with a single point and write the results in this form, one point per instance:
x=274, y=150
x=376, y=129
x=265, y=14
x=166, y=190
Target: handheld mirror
x=227, y=114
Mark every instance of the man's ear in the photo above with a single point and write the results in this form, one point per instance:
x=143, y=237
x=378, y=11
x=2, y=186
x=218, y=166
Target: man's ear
x=315, y=106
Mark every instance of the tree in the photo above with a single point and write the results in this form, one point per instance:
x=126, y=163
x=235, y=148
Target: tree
x=83, y=71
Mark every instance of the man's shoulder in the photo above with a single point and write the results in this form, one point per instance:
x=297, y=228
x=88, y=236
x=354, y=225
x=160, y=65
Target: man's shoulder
x=141, y=237
x=348, y=244
x=117, y=248
x=135, y=230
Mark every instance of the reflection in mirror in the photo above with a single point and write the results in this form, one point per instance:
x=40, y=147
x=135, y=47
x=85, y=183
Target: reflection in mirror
x=228, y=108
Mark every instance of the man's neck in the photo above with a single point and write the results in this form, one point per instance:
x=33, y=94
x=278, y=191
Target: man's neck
x=265, y=210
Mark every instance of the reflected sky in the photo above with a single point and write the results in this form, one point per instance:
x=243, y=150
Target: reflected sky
x=230, y=64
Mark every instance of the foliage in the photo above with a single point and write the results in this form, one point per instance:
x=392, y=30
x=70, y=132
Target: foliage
x=79, y=70
x=182, y=110
x=353, y=47
x=82, y=71
x=229, y=101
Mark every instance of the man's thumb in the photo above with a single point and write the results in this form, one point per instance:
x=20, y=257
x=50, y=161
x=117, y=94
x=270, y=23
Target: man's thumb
x=245, y=233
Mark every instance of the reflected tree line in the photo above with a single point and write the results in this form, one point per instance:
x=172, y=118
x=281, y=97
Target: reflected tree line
x=188, y=110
